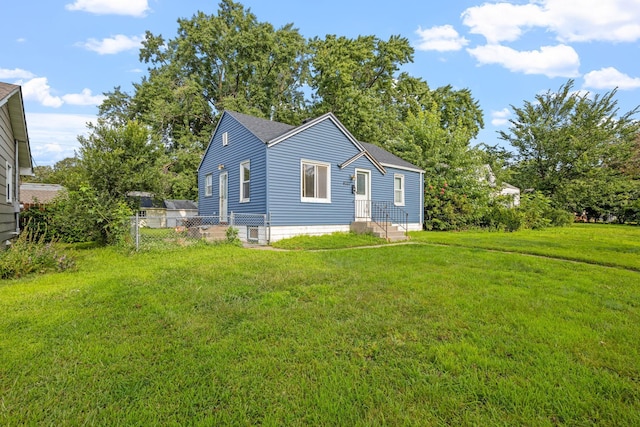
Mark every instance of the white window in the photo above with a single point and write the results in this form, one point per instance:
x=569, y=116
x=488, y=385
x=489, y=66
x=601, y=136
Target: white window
x=9, y=186
x=208, y=185
x=245, y=178
x=398, y=190
x=315, y=182
x=225, y=139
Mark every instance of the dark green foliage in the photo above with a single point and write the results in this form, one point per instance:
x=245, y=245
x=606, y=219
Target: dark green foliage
x=80, y=216
x=575, y=149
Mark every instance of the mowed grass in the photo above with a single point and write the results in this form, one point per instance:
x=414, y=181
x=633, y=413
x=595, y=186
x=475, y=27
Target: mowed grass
x=603, y=244
x=396, y=335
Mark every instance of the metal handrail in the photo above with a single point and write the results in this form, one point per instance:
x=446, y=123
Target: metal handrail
x=384, y=213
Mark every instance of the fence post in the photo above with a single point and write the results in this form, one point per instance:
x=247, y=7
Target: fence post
x=137, y=228
x=268, y=225
x=231, y=219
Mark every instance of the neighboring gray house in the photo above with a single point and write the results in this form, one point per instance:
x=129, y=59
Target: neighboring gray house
x=15, y=159
x=312, y=179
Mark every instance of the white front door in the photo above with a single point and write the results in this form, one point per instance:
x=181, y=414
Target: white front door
x=224, y=196
x=363, y=195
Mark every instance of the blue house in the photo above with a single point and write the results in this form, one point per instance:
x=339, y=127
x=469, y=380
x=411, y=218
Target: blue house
x=311, y=179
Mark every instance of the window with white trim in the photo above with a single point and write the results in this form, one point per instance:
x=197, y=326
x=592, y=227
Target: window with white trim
x=315, y=182
x=208, y=185
x=225, y=139
x=245, y=179
x=9, y=179
x=398, y=190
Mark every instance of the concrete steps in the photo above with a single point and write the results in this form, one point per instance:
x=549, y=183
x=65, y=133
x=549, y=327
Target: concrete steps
x=368, y=227
x=210, y=233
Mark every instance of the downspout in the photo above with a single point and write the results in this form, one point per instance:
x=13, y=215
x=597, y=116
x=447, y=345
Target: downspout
x=16, y=188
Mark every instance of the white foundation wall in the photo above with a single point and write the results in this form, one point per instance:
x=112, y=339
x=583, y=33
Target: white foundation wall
x=284, y=232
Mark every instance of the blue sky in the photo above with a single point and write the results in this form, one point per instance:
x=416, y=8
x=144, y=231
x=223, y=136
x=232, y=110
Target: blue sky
x=67, y=53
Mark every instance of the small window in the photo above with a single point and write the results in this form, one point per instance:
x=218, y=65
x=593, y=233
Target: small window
x=398, y=190
x=208, y=185
x=315, y=182
x=245, y=178
x=252, y=234
x=9, y=186
x=142, y=214
x=225, y=139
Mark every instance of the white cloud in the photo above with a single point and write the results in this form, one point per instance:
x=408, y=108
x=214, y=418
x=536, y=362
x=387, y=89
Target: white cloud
x=113, y=45
x=38, y=89
x=569, y=20
x=84, y=98
x=53, y=137
x=21, y=40
x=500, y=118
x=594, y=20
x=137, y=8
x=502, y=21
x=610, y=78
x=551, y=61
x=16, y=73
x=442, y=39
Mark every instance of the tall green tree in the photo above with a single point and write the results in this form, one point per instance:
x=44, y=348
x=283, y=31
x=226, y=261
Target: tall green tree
x=454, y=194
x=355, y=78
x=119, y=159
x=572, y=147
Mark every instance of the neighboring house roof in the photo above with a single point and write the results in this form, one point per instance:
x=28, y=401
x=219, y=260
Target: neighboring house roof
x=271, y=132
x=32, y=192
x=12, y=96
x=180, y=205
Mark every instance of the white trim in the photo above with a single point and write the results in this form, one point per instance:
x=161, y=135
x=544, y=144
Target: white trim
x=225, y=139
x=224, y=213
x=243, y=198
x=314, y=122
x=208, y=185
x=362, y=210
x=304, y=199
x=402, y=189
x=390, y=165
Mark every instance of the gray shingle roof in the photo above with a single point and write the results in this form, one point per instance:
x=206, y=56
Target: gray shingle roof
x=267, y=130
x=264, y=129
x=386, y=158
x=180, y=204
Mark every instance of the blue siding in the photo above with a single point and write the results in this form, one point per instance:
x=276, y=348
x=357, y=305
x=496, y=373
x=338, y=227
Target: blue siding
x=276, y=176
x=382, y=189
x=243, y=145
x=323, y=142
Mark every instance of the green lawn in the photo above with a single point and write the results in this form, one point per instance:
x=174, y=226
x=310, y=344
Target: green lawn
x=419, y=334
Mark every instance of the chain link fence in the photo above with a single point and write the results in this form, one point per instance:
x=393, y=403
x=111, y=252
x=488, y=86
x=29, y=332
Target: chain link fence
x=148, y=232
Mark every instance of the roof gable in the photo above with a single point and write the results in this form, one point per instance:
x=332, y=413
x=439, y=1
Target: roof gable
x=12, y=96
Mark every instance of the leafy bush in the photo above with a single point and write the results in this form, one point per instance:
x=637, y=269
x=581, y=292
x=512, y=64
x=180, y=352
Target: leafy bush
x=30, y=253
x=80, y=216
x=446, y=209
x=503, y=218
